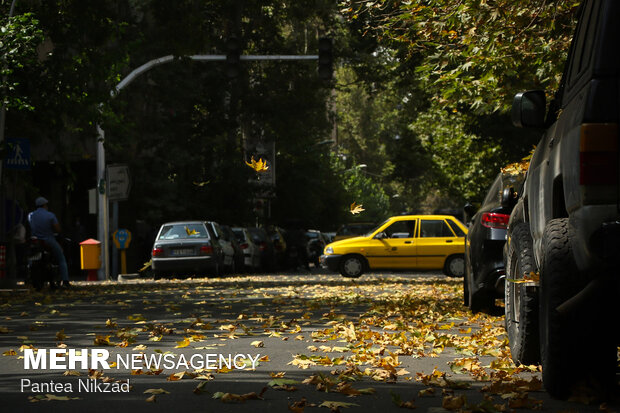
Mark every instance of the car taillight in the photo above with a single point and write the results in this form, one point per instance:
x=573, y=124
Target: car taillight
x=598, y=154
x=494, y=220
x=206, y=249
x=244, y=246
x=157, y=252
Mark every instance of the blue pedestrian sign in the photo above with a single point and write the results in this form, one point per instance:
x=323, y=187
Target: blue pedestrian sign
x=122, y=238
x=18, y=153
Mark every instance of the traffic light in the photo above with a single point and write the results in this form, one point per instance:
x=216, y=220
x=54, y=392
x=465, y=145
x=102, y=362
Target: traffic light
x=326, y=64
x=233, y=57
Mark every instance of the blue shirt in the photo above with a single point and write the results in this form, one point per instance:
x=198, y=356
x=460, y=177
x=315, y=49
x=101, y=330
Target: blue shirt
x=42, y=223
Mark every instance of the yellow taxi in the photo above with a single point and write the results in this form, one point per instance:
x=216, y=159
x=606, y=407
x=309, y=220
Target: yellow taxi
x=420, y=242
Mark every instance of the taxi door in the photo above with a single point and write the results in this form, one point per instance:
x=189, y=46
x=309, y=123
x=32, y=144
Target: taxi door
x=398, y=246
x=435, y=242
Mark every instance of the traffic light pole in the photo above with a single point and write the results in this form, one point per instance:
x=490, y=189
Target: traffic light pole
x=103, y=225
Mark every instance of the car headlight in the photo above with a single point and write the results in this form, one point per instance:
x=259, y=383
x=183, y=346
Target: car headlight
x=329, y=250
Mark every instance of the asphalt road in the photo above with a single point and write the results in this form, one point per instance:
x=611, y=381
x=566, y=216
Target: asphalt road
x=359, y=345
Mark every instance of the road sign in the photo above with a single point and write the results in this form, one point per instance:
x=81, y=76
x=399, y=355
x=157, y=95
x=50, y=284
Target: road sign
x=122, y=238
x=18, y=156
x=119, y=182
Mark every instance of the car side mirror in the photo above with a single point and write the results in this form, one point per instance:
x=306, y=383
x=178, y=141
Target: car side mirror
x=469, y=210
x=509, y=198
x=528, y=109
x=381, y=235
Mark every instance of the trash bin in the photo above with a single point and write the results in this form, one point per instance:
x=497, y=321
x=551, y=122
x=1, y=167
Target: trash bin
x=90, y=258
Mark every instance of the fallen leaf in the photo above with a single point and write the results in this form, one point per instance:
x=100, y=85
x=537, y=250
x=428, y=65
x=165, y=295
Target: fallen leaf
x=335, y=406
x=156, y=391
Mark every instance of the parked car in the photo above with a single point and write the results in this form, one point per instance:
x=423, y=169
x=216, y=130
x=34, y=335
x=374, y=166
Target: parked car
x=316, y=244
x=424, y=242
x=228, y=251
x=251, y=251
x=353, y=230
x=563, y=248
x=238, y=256
x=330, y=236
x=186, y=248
x=296, y=248
x=484, y=245
x=277, y=236
x=265, y=246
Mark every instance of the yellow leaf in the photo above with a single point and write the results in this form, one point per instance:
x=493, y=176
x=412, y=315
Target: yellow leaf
x=257, y=344
x=176, y=376
x=184, y=343
x=356, y=209
x=150, y=399
x=10, y=353
x=102, y=341
x=258, y=166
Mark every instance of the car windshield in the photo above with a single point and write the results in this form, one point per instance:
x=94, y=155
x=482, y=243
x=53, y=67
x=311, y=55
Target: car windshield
x=257, y=235
x=183, y=231
x=239, y=235
x=369, y=233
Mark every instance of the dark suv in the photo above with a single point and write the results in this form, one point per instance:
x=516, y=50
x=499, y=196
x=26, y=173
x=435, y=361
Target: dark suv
x=563, y=251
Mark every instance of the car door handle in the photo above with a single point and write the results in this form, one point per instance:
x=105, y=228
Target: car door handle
x=448, y=240
x=394, y=248
x=407, y=242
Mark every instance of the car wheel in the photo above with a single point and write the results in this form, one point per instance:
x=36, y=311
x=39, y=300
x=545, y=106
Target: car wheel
x=455, y=266
x=521, y=301
x=563, y=336
x=352, y=266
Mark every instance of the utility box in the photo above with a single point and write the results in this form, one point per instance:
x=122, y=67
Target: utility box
x=90, y=254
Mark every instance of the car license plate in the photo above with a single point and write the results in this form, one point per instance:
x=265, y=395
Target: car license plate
x=182, y=251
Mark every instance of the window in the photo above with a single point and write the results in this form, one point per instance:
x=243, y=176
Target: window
x=432, y=228
x=494, y=195
x=457, y=230
x=183, y=231
x=401, y=229
x=583, y=42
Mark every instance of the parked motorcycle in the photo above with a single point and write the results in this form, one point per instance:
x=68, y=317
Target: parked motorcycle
x=40, y=266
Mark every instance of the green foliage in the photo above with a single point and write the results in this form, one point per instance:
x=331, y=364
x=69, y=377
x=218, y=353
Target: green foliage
x=19, y=38
x=361, y=189
x=465, y=60
x=476, y=54
x=463, y=161
x=420, y=98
